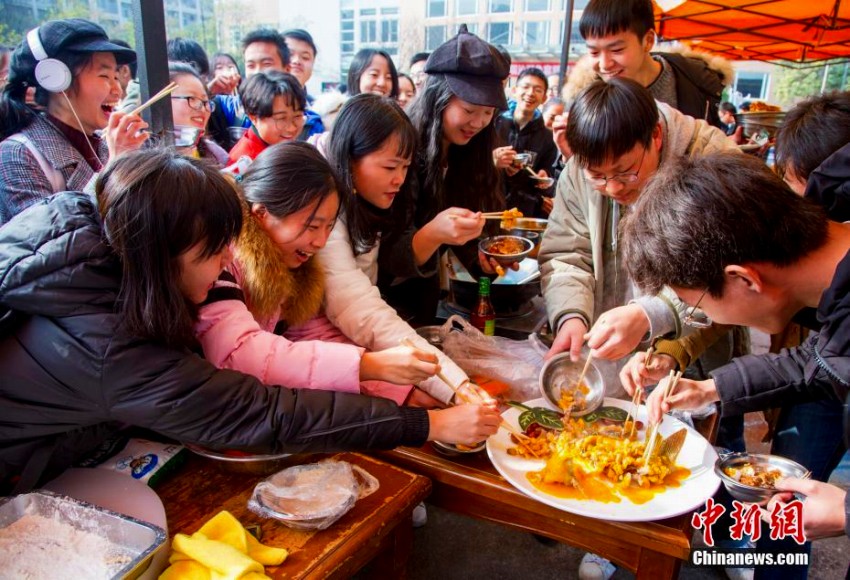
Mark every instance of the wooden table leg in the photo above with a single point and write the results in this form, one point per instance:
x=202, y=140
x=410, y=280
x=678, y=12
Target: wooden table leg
x=395, y=550
x=653, y=565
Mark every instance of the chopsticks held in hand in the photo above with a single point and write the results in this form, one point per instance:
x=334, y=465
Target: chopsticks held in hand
x=463, y=397
x=672, y=380
x=170, y=88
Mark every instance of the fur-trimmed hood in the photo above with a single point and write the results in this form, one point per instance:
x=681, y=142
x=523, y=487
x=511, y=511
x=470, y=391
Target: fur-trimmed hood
x=583, y=73
x=272, y=289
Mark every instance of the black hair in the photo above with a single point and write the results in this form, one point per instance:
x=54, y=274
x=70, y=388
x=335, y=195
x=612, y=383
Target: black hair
x=259, y=91
x=188, y=50
x=361, y=62
x=728, y=107
x=535, y=72
x=15, y=114
x=607, y=17
x=229, y=57
x=157, y=204
x=697, y=216
x=287, y=177
x=471, y=180
x=364, y=124
x=133, y=66
x=270, y=36
x=418, y=57
x=607, y=120
x=745, y=106
x=812, y=131
x=303, y=36
x=402, y=75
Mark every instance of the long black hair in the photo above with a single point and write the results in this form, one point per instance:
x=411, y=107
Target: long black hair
x=15, y=114
x=471, y=180
x=364, y=124
x=156, y=204
x=361, y=62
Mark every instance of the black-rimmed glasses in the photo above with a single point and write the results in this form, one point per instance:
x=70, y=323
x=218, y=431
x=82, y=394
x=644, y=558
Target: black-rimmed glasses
x=197, y=104
x=621, y=178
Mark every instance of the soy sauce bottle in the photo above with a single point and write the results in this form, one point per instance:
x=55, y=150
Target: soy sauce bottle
x=483, y=315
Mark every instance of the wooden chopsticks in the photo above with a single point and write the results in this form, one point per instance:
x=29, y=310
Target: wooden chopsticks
x=170, y=88
x=672, y=381
x=521, y=437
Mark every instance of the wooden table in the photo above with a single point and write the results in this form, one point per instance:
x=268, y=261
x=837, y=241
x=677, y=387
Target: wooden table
x=378, y=528
x=470, y=485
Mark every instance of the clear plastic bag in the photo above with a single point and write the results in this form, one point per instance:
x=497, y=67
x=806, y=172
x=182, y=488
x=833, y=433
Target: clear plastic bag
x=313, y=496
x=516, y=363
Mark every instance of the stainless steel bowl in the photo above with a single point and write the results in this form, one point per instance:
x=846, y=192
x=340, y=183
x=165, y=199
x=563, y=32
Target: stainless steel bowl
x=749, y=493
x=451, y=449
x=754, y=123
x=506, y=259
x=432, y=335
x=255, y=464
x=531, y=228
x=559, y=372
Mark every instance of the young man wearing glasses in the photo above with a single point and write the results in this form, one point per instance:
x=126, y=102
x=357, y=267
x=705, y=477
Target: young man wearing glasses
x=735, y=235
x=620, y=137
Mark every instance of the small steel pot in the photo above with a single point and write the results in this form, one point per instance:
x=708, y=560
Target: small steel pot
x=749, y=493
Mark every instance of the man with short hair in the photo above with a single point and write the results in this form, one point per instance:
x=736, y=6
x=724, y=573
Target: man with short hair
x=521, y=129
x=417, y=69
x=302, y=56
x=736, y=242
x=727, y=112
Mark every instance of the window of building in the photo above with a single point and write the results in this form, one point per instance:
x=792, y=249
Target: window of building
x=346, y=18
x=346, y=15
x=368, y=11
x=499, y=33
x=391, y=11
x=190, y=4
x=536, y=34
x=110, y=6
x=389, y=31
x=126, y=10
x=189, y=19
x=368, y=31
x=575, y=35
x=434, y=37
x=500, y=6
x=464, y=7
x=436, y=8
x=473, y=27
x=751, y=85
x=537, y=5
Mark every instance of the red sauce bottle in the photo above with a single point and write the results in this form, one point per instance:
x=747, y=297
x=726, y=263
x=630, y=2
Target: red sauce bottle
x=484, y=316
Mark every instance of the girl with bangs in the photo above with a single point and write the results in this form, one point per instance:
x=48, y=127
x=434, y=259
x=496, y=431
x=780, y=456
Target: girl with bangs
x=372, y=146
x=265, y=316
x=97, y=305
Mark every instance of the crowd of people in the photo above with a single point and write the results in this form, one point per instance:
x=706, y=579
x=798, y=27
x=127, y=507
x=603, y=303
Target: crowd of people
x=256, y=285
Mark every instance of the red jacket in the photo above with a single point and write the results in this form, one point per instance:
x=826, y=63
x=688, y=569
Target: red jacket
x=250, y=144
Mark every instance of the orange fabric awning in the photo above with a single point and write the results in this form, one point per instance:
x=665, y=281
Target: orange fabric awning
x=790, y=30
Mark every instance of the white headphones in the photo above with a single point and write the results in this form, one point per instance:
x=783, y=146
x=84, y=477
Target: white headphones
x=53, y=75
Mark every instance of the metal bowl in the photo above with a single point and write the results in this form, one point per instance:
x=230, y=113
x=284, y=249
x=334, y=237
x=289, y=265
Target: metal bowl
x=754, y=123
x=432, y=335
x=560, y=371
x=451, y=449
x=530, y=228
x=254, y=464
x=749, y=493
x=506, y=259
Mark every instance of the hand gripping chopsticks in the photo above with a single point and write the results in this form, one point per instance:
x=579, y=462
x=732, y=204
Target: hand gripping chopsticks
x=672, y=380
x=170, y=88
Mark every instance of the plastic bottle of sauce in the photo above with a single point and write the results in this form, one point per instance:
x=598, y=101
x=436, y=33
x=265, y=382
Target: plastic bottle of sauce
x=484, y=316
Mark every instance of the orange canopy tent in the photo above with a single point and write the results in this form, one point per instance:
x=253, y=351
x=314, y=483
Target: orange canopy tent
x=772, y=30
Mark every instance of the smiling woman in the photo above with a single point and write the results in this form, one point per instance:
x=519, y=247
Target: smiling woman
x=74, y=68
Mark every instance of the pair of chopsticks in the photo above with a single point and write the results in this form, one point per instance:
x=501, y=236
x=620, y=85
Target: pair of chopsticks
x=672, y=381
x=521, y=437
x=170, y=88
x=636, y=397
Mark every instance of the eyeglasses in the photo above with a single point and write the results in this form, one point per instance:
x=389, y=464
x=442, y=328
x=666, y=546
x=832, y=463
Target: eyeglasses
x=197, y=104
x=696, y=319
x=621, y=178
x=284, y=122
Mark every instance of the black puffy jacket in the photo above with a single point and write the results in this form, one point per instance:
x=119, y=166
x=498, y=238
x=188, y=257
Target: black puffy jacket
x=829, y=185
x=70, y=376
x=819, y=368
x=698, y=87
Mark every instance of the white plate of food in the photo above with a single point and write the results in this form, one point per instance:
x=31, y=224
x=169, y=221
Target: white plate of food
x=597, y=497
